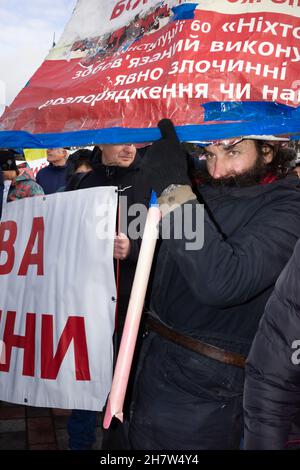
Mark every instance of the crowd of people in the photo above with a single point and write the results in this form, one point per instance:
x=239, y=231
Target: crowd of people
x=216, y=355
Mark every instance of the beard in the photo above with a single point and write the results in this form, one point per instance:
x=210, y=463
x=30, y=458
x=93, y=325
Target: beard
x=250, y=177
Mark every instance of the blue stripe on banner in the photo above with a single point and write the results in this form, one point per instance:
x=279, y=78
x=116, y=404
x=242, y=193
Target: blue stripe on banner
x=15, y=139
x=251, y=118
x=235, y=111
x=184, y=12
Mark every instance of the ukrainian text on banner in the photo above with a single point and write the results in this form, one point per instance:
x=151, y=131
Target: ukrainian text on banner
x=128, y=63
x=57, y=293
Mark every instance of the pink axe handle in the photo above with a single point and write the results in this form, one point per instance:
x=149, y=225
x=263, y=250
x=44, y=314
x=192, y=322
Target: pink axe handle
x=133, y=317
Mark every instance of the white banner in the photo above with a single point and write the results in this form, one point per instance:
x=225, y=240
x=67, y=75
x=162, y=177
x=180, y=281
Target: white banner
x=57, y=299
x=90, y=17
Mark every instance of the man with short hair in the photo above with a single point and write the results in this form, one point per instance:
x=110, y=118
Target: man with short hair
x=121, y=155
x=119, y=165
x=53, y=176
x=207, y=302
x=114, y=165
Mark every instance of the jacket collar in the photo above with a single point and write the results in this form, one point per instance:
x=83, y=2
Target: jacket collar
x=60, y=167
x=247, y=192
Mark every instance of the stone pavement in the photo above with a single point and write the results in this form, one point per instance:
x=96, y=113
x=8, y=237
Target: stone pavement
x=31, y=428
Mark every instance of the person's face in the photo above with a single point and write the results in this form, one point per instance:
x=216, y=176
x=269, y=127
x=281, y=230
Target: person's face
x=9, y=175
x=56, y=155
x=226, y=161
x=83, y=168
x=297, y=171
x=118, y=155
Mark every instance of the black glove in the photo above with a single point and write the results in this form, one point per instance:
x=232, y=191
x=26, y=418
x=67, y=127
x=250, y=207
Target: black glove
x=165, y=162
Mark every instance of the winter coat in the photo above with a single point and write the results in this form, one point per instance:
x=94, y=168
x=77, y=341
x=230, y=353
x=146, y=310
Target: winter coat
x=272, y=387
x=24, y=186
x=138, y=191
x=218, y=293
x=51, y=178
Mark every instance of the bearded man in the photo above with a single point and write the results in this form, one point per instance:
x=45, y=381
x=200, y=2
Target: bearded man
x=207, y=302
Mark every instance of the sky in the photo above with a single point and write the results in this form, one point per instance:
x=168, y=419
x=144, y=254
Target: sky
x=26, y=35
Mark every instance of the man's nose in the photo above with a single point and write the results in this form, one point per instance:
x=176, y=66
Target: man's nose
x=127, y=148
x=219, y=169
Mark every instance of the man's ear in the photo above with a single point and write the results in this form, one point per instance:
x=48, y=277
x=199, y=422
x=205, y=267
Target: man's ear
x=268, y=153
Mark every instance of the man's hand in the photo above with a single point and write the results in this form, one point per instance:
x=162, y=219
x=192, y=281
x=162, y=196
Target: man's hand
x=165, y=162
x=121, y=246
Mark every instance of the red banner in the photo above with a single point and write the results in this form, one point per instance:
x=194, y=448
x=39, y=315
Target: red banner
x=160, y=64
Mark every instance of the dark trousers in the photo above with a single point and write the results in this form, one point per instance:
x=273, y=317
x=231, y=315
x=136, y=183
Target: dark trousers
x=82, y=429
x=185, y=401
x=82, y=423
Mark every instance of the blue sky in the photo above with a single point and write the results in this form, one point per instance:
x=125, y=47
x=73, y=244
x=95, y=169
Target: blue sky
x=26, y=35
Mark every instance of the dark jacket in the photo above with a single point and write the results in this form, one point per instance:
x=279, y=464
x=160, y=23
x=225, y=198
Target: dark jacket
x=138, y=191
x=272, y=387
x=218, y=293
x=51, y=178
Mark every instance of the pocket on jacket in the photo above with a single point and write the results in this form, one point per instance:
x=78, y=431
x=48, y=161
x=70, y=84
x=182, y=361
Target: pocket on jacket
x=198, y=377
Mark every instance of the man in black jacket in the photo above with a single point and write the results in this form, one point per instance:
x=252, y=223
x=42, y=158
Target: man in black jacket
x=120, y=165
x=114, y=165
x=207, y=302
x=272, y=385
